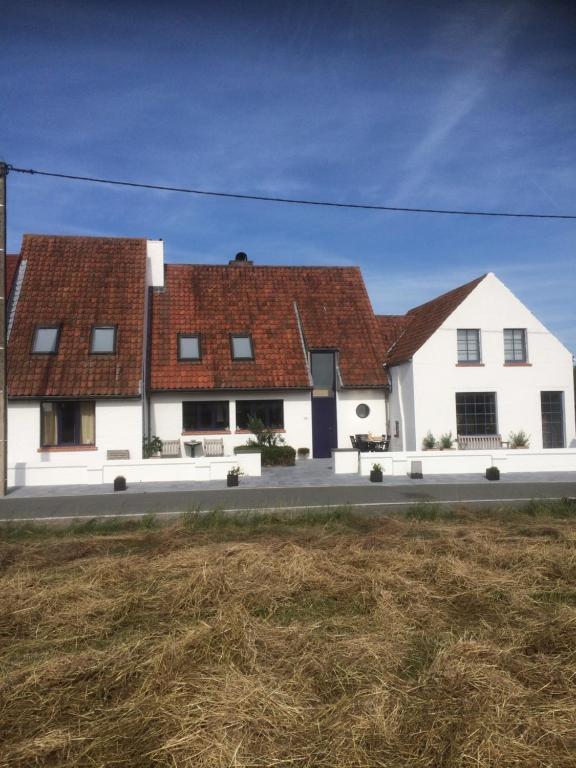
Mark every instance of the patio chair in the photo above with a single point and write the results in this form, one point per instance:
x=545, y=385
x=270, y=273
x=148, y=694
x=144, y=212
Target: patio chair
x=214, y=446
x=171, y=449
x=354, y=442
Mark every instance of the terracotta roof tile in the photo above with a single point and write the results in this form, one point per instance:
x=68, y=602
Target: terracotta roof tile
x=391, y=326
x=422, y=321
x=215, y=301
x=78, y=282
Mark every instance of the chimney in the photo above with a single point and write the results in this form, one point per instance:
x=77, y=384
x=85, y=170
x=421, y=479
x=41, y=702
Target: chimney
x=240, y=259
x=155, y=263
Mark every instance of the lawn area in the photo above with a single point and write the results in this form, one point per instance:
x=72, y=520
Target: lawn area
x=433, y=638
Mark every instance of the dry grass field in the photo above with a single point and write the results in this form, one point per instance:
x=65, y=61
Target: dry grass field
x=430, y=639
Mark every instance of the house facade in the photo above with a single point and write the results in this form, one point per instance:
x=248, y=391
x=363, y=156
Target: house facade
x=108, y=346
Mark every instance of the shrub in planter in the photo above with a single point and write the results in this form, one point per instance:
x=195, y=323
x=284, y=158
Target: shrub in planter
x=152, y=446
x=248, y=449
x=376, y=473
x=120, y=483
x=303, y=453
x=429, y=441
x=446, y=441
x=232, y=476
x=278, y=456
x=519, y=439
x=492, y=473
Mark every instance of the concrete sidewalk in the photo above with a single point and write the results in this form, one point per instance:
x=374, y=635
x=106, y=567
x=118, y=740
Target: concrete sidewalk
x=308, y=484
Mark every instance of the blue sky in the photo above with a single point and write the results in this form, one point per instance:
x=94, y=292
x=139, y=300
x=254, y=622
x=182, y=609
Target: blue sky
x=427, y=104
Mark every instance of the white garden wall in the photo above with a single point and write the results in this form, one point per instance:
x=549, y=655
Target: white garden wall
x=349, y=423
x=118, y=425
x=166, y=417
x=491, y=307
x=470, y=462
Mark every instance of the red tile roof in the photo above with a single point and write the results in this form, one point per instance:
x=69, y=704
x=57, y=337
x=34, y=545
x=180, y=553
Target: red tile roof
x=215, y=301
x=422, y=321
x=79, y=282
x=391, y=326
x=12, y=263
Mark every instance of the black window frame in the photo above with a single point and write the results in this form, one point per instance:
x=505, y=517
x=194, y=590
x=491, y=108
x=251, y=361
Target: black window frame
x=472, y=417
x=523, y=345
x=189, y=336
x=234, y=357
x=468, y=360
x=265, y=404
x=77, y=418
x=104, y=328
x=546, y=432
x=51, y=327
x=201, y=405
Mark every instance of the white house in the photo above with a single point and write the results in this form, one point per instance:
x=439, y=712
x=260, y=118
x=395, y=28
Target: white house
x=109, y=345
x=476, y=361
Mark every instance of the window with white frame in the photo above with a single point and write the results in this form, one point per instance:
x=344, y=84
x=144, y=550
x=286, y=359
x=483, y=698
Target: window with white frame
x=468, y=345
x=515, y=348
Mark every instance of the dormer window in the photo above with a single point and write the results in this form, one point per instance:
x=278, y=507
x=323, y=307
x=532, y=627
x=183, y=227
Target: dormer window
x=189, y=346
x=241, y=345
x=103, y=340
x=46, y=340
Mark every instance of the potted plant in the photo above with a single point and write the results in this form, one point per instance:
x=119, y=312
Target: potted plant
x=232, y=476
x=492, y=473
x=303, y=453
x=376, y=473
x=446, y=441
x=429, y=441
x=519, y=439
x=152, y=446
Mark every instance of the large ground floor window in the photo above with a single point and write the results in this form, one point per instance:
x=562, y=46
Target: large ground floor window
x=67, y=422
x=205, y=415
x=270, y=413
x=476, y=413
x=552, y=404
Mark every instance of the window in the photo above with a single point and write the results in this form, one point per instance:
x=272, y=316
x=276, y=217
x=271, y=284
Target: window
x=103, y=340
x=468, y=345
x=476, y=413
x=362, y=410
x=323, y=368
x=67, y=422
x=188, y=346
x=204, y=415
x=552, y=419
x=46, y=340
x=241, y=345
x=270, y=413
x=515, y=345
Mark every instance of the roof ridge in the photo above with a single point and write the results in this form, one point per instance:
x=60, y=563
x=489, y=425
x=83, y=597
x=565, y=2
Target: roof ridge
x=476, y=280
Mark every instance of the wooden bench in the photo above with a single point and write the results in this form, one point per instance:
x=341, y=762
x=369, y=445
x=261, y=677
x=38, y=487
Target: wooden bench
x=118, y=455
x=214, y=446
x=171, y=449
x=479, y=442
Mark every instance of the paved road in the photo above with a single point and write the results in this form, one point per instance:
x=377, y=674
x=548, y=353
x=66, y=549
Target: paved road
x=372, y=497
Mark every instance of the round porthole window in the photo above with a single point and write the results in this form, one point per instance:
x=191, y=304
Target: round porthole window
x=362, y=410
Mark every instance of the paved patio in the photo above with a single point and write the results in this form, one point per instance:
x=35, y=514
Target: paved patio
x=311, y=473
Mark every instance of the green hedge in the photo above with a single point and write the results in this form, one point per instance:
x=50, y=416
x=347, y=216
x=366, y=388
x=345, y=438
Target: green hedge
x=278, y=455
x=247, y=449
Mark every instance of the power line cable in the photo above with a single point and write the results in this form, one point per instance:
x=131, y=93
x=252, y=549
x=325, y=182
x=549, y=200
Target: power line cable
x=289, y=200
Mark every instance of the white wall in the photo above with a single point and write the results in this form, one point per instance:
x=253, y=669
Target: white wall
x=166, y=416
x=401, y=408
x=351, y=424
x=118, y=426
x=491, y=307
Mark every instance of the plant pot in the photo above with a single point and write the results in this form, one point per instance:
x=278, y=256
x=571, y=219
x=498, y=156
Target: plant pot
x=376, y=476
x=492, y=473
x=231, y=481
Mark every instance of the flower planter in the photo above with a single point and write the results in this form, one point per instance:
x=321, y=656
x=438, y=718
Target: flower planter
x=231, y=480
x=376, y=476
x=492, y=473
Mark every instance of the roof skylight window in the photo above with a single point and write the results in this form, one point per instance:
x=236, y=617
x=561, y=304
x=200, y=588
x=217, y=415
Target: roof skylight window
x=241, y=344
x=189, y=346
x=103, y=340
x=46, y=339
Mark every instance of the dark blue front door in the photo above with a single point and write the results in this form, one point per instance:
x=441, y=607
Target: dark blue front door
x=324, y=429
